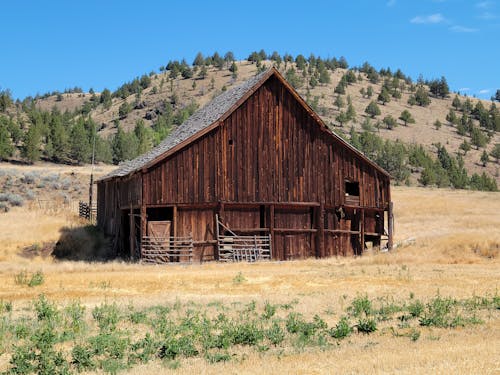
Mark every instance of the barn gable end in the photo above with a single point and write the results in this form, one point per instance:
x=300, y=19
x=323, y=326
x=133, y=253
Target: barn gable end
x=263, y=165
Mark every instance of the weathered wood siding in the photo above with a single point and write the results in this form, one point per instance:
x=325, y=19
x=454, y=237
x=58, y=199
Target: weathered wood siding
x=269, y=167
x=268, y=150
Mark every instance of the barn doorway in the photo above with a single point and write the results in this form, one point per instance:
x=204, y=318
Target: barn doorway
x=130, y=235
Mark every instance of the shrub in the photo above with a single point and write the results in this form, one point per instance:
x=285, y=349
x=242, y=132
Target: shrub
x=342, y=329
x=82, y=358
x=106, y=316
x=366, y=325
x=360, y=306
x=12, y=199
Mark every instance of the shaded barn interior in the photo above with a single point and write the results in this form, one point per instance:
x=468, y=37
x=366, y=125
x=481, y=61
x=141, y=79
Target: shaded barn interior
x=256, y=162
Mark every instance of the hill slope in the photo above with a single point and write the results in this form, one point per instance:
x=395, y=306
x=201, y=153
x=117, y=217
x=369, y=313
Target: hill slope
x=151, y=101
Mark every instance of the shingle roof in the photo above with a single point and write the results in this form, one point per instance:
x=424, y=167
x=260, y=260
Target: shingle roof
x=201, y=119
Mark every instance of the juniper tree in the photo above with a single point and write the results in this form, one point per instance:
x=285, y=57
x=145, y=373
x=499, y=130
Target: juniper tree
x=30, y=150
x=339, y=102
x=6, y=146
x=465, y=147
x=372, y=109
x=384, y=96
x=496, y=152
x=406, y=117
x=456, y=103
x=390, y=122
x=485, y=158
x=437, y=124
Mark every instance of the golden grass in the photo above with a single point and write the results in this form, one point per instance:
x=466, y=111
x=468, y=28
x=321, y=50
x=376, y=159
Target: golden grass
x=456, y=253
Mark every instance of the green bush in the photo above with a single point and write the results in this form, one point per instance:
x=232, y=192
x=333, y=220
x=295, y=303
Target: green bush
x=342, y=329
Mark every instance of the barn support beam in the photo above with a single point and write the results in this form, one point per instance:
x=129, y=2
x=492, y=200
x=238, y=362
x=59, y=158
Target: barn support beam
x=131, y=232
x=362, y=230
x=390, y=232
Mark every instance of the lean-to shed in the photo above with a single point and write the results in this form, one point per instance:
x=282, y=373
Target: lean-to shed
x=254, y=173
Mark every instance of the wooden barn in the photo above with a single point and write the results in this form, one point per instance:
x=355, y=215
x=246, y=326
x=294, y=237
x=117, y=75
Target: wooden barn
x=255, y=174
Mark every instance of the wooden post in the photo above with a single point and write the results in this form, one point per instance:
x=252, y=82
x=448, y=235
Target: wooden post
x=362, y=230
x=320, y=235
x=131, y=232
x=144, y=220
x=271, y=227
x=390, y=218
x=175, y=226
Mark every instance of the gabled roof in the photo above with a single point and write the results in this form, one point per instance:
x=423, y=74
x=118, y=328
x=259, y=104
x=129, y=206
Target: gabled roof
x=210, y=116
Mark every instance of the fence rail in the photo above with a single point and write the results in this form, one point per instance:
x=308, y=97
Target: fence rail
x=167, y=249
x=87, y=212
x=244, y=248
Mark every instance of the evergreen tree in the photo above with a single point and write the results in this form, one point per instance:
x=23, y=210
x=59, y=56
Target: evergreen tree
x=229, y=57
x=124, y=109
x=406, y=117
x=103, y=152
x=203, y=72
x=342, y=118
x=465, y=147
x=5, y=100
x=369, y=91
x=58, y=138
x=80, y=147
x=351, y=112
x=105, y=98
x=199, y=60
x=456, y=103
x=496, y=152
x=437, y=124
x=478, y=138
x=372, y=109
x=293, y=79
x=497, y=96
x=324, y=76
x=31, y=144
x=390, y=122
x=6, y=146
x=451, y=117
x=421, y=97
x=384, y=96
x=339, y=102
x=340, y=88
x=143, y=137
x=301, y=62
x=485, y=158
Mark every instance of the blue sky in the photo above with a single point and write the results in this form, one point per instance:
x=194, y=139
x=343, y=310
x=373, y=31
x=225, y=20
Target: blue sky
x=53, y=45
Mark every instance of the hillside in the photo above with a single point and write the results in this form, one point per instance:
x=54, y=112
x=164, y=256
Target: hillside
x=162, y=94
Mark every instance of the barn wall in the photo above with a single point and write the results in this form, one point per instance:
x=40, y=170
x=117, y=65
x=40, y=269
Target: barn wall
x=272, y=167
x=268, y=150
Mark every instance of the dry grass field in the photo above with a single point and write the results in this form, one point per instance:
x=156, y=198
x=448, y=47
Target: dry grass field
x=450, y=248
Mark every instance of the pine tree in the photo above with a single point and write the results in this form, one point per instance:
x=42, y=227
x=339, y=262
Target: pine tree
x=351, y=112
x=406, y=117
x=384, y=96
x=6, y=146
x=372, y=109
x=456, y=103
x=342, y=118
x=80, y=146
x=465, y=147
x=478, y=138
x=496, y=152
x=390, y=122
x=369, y=91
x=437, y=124
x=143, y=137
x=485, y=158
x=339, y=102
x=451, y=117
x=422, y=97
x=199, y=60
x=31, y=144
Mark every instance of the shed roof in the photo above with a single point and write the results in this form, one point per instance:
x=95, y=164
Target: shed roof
x=209, y=115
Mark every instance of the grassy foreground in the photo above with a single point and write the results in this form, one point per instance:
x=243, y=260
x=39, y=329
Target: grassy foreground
x=428, y=307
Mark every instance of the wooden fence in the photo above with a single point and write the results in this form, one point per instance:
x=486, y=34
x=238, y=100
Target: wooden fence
x=244, y=248
x=87, y=212
x=167, y=249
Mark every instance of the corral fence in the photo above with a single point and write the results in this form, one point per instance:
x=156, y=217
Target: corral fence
x=167, y=249
x=244, y=248
x=87, y=212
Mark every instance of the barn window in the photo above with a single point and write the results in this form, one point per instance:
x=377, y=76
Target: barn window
x=352, y=188
x=230, y=142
